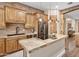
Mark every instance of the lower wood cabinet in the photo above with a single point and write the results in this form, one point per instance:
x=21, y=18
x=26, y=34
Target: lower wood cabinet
x=2, y=46
x=20, y=38
x=11, y=44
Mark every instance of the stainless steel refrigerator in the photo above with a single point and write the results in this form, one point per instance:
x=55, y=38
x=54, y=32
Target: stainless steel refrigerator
x=42, y=30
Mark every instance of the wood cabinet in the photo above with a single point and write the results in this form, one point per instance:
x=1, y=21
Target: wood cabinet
x=29, y=21
x=2, y=46
x=20, y=16
x=2, y=22
x=14, y=15
x=20, y=38
x=11, y=44
x=32, y=20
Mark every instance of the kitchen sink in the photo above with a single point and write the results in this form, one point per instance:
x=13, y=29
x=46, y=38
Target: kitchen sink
x=15, y=34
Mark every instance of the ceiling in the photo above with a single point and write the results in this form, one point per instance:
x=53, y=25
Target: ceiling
x=47, y=5
x=52, y=5
x=73, y=14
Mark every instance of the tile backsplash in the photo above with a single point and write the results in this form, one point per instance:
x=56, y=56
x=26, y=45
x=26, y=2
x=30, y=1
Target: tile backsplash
x=3, y=32
x=11, y=28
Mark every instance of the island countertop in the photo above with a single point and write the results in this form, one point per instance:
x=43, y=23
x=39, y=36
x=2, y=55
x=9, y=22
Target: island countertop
x=35, y=43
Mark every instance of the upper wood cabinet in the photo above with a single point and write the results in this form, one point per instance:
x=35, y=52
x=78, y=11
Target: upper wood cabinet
x=14, y=15
x=30, y=21
x=2, y=21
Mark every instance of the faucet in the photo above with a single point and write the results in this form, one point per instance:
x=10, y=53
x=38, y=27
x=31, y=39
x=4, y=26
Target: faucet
x=17, y=30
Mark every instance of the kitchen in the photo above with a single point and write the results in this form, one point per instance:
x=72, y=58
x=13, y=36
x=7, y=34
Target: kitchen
x=32, y=30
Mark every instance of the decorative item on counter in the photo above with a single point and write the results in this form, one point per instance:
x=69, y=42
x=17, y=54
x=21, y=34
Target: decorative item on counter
x=53, y=36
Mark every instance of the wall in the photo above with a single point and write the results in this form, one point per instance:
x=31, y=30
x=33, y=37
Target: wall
x=3, y=32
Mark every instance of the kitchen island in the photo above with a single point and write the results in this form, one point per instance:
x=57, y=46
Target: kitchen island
x=35, y=47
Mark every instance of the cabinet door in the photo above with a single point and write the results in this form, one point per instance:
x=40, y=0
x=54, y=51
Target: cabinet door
x=20, y=16
x=10, y=14
x=35, y=22
x=14, y=15
x=2, y=46
x=2, y=22
x=11, y=44
x=29, y=20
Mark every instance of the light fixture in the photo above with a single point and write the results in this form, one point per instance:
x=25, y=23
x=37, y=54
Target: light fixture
x=49, y=20
x=40, y=18
x=57, y=13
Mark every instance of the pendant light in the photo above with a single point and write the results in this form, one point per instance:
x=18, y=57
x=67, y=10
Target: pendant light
x=57, y=14
x=40, y=18
x=49, y=20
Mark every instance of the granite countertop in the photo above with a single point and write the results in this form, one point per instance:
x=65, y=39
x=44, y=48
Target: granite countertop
x=35, y=43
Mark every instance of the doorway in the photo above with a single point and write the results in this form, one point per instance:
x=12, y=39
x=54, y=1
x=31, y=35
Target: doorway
x=72, y=24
